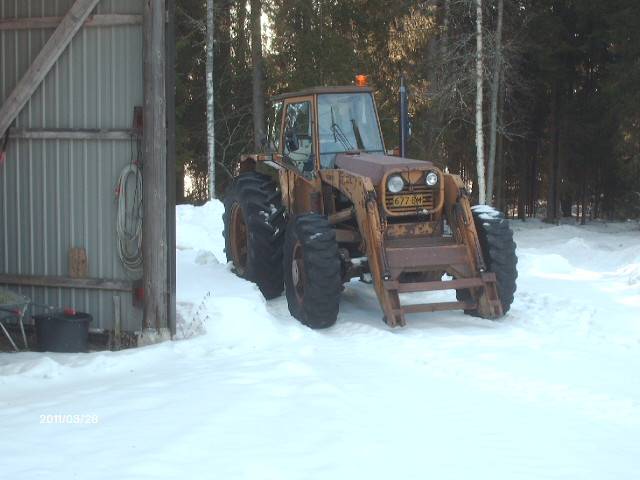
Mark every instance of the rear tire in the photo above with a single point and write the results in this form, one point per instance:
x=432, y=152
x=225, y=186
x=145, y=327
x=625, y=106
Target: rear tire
x=254, y=231
x=312, y=271
x=499, y=252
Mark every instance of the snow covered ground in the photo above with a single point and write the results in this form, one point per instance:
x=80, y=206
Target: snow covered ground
x=550, y=391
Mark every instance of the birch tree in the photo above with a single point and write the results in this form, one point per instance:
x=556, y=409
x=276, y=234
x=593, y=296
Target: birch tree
x=211, y=143
x=479, y=102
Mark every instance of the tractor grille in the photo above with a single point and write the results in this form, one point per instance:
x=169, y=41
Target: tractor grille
x=399, y=203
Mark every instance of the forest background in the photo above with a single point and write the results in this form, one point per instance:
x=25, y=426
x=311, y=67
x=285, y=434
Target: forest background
x=555, y=85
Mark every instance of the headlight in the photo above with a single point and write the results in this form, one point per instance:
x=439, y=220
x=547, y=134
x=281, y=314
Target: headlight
x=395, y=184
x=431, y=179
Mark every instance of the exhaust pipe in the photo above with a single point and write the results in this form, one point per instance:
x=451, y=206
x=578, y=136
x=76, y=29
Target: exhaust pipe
x=404, y=117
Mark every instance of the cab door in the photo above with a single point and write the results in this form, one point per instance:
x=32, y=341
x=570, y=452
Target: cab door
x=298, y=155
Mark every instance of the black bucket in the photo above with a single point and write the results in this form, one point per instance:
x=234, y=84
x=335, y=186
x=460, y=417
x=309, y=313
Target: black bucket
x=62, y=332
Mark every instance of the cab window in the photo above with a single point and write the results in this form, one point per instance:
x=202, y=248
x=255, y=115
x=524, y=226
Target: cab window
x=347, y=122
x=298, y=140
x=275, y=127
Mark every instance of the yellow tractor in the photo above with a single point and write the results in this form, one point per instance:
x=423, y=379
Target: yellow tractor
x=327, y=204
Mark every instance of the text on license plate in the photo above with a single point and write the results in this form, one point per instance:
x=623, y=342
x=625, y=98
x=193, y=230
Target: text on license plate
x=409, y=200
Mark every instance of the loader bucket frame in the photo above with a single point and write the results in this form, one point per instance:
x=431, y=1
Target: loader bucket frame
x=462, y=259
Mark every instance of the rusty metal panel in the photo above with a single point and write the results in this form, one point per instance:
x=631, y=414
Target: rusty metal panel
x=421, y=256
x=59, y=194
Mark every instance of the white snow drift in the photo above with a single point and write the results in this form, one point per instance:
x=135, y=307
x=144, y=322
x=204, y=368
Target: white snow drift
x=550, y=391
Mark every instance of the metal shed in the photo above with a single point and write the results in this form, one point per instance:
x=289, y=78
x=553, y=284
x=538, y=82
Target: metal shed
x=95, y=111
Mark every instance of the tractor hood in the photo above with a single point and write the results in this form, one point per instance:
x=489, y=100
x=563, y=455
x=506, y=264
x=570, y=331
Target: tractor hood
x=375, y=166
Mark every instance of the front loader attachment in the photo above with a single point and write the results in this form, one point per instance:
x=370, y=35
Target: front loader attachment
x=390, y=258
x=424, y=256
x=458, y=255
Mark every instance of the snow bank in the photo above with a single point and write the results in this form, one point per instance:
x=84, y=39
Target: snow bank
x=550, y=391
x=487, y=212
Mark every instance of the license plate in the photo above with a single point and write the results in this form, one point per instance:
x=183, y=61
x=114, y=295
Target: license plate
x=409, y=200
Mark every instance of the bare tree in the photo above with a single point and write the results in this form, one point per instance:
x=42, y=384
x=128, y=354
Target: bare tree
x=211, y=152
x=257, y=74
x=479, y=102
x=495, y=89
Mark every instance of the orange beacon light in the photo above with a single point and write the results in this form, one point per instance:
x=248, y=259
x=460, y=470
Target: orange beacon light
x=362, y=80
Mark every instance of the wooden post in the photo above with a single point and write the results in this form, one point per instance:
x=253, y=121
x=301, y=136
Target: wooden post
x=171, y=160
x=154, y=190
x=47, y=57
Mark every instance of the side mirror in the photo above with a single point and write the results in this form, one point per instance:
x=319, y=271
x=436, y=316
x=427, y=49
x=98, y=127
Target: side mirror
x=264, y=144
x=291, y=140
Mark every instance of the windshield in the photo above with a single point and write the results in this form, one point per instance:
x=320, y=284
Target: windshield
x=347, y=121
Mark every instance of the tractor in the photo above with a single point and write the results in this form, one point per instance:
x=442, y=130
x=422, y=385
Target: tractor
x=325, y=203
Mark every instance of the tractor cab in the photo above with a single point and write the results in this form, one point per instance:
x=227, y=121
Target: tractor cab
x=309, y=128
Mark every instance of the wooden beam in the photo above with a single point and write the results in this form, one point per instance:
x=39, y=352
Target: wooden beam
x=154, y=190
x=170, y=46
x=66, y=282
x=438, y=307
x=72, y=134
x=34, y=23
x=431, y=286
x=48, y=56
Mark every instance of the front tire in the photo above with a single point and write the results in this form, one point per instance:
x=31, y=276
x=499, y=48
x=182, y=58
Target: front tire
x=499, y=253
x=254, y=231
x=312, y=271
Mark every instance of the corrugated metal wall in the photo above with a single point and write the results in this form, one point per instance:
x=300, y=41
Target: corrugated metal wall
x=58, y=194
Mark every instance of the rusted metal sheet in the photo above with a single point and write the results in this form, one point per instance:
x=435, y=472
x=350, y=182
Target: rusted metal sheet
x=376, y=166
x=417, y=229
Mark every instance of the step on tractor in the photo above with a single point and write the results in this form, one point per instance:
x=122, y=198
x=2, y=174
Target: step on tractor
x=327, y=204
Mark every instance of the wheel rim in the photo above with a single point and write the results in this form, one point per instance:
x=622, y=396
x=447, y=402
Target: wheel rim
x=297, y=271
x=239, y=237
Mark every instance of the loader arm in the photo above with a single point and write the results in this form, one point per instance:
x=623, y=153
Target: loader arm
x=361, y=192
x=457, y=211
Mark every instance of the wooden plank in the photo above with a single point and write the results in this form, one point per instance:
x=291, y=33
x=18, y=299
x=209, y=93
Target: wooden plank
x=48, y=56
x=112, y=20
x=155, y=275
x=438, y=307
x=78, y=263
x=66, y=282
x=431, y=286
x=72, y=134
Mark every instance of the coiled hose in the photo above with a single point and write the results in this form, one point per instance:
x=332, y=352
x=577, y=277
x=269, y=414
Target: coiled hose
x=129, y=219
